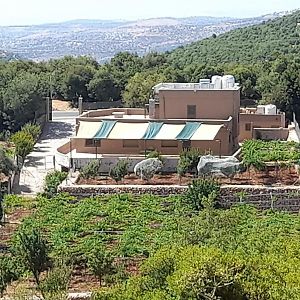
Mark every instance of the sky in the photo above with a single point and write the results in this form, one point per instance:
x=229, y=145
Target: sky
x=27, y=12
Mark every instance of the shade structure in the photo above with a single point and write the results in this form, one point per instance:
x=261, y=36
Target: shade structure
x=87, y=130
x=105, y=129
x=206, y=132
x=128, y=131
x=152, y=130
x=188, y=131
x=169, y=131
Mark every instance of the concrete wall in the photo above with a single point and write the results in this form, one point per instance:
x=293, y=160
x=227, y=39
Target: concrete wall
x=258, y=121
x=101, y=105
x=107, y=162
x=269, y=134
x=210, y=104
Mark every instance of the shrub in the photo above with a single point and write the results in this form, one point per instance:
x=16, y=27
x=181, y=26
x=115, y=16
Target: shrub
x=24, y=144
x=200, y=190
x=32, y=129
x=120, y=170
x=100, y=263
x=32, y=251
x=155, y=154
x=7, y=273
x=91, y=170
x=188, y=161
x=53, y=180
x=7, y=166
x=55, y=284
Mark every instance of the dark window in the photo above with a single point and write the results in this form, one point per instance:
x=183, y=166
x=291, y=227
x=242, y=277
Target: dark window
x=248, y=126
x=92, y=143
x=173, y=144
x=191, y=111
x=130, y=143
x=186, y=144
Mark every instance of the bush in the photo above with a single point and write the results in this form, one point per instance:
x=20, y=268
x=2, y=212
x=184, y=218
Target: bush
x=32, y=129
x=24, y=144
x=7, y=166
x=188, y=161
x=55, y=285
x=120, y=170
x=200, y=190
x=155, y=154
x=7, y=273
x=91, y=170
x=53, y=180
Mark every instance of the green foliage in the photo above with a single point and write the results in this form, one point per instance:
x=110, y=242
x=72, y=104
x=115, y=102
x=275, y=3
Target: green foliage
x=31, y=249
x=52, y=181
x=200, y=190
x=32, y=129
x=100, y=263
x=24, y=144
x=155, y=154
x=188, y=161
x=55, y=285
x=8, y=272
x=120, y=170
x=7, y=166
x=91, y=170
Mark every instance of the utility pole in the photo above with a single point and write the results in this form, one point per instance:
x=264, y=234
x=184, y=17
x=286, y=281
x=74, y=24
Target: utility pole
x=47, y=109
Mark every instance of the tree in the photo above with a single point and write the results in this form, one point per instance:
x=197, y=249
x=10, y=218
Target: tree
x=103, y=86
x=32, y=250
x=139, y=88
x=100, y=263
x=24, y=144
x=32, y=129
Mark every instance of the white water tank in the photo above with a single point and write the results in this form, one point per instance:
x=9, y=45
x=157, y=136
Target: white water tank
x=270, y=109
x=152, y=108
x=228, y=81
x=216, y=80
x=204, y=83
x=260, y=109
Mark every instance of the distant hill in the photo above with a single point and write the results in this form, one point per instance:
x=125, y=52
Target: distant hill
x=8, y=56
x=245, y=45
x=102, y=39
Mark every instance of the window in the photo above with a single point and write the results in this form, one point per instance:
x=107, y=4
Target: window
x=130, y=143
x=191, y=111
x=186, y=144
x=92, y=143
x=248, y=126
x=169, y=144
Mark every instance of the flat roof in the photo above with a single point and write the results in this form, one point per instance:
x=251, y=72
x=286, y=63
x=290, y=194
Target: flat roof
x=190, y=86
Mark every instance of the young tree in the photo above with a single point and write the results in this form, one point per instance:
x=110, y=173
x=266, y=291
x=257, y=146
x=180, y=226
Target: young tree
x=100, y=263
x=24, y=144
x=32, y=250
x=120, y=170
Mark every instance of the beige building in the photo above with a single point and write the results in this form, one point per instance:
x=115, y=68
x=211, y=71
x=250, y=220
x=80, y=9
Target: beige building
x=204, y=115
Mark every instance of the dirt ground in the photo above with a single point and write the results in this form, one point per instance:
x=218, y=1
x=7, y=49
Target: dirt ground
x=267, y=177
x=59, y=105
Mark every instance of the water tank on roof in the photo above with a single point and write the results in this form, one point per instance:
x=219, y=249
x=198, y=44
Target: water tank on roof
x=152, y=108
x=228, y=81
x=270, y=109
x=217, y=82
x=260, y=109
x=204, y=83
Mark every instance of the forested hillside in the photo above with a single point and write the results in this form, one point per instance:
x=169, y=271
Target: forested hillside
x=264, y=59
x=252, y=44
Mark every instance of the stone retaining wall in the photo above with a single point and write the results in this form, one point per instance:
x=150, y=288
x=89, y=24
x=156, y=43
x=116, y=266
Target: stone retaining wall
x=280, y=198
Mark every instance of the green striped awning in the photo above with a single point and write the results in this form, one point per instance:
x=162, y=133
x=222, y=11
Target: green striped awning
x=188, y=131
x=105, y=129
x=152, y=130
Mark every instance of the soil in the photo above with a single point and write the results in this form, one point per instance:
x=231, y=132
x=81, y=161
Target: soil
x=271, y=176
x=59, y=105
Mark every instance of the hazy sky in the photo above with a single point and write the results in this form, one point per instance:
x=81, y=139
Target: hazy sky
x=19, y=12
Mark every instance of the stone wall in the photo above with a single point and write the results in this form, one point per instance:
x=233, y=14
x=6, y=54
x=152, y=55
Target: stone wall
x=280, y=198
